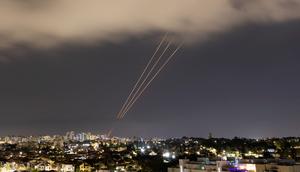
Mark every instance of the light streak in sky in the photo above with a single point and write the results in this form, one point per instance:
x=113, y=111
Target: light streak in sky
x=153, y=68
x=141, y=76
x=146, y=77
x=150, y=81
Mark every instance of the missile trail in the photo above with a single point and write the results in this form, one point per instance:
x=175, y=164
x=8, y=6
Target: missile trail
x=141, y=76
x=146, y=77
x=149, y=82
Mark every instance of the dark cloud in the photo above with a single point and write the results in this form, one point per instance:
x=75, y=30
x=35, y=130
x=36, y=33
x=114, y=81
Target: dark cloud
x=43, y=24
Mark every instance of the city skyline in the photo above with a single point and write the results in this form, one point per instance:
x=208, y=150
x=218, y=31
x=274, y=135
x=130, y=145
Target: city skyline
x=242, y=81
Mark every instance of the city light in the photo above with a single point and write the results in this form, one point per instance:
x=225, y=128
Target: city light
x=166, y=154
x=143, y=150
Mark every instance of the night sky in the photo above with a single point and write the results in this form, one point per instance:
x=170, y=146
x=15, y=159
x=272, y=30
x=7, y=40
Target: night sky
x=240, y=82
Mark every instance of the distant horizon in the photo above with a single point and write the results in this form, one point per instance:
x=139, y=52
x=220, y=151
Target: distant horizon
x=172, y=137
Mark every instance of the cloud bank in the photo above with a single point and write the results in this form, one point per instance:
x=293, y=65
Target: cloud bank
x=53, y=22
